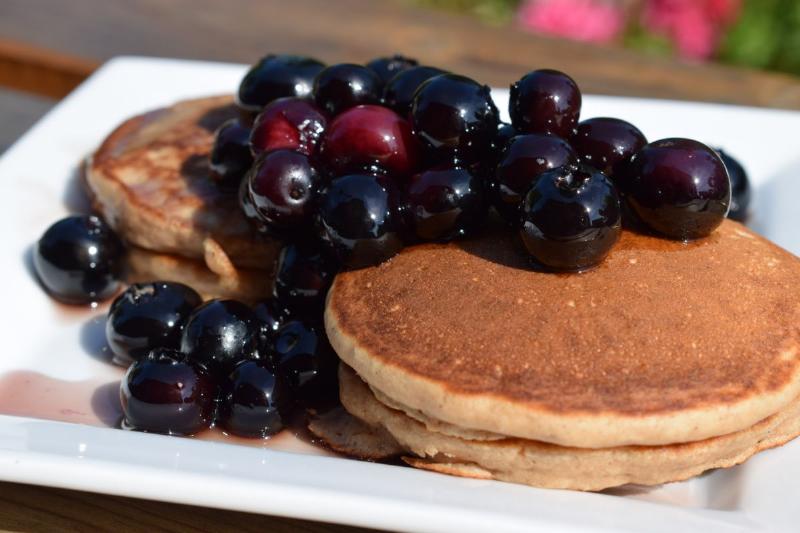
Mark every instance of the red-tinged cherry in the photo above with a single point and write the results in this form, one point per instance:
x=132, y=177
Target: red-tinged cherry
x=369, y=138
x=290, y=123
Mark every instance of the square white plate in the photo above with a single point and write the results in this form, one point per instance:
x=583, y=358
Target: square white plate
x=41, y=337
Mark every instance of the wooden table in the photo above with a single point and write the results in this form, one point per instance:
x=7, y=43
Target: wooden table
x=49, y=46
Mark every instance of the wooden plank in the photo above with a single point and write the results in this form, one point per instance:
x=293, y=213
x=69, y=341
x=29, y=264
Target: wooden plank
x=356, y=30
x=45, y=72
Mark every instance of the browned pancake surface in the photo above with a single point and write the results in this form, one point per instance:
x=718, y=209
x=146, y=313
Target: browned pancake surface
x=151, y=180
x=660, y=326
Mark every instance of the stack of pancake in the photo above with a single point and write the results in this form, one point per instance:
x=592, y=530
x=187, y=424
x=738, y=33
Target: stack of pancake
x=150, y=180
x=667, y=360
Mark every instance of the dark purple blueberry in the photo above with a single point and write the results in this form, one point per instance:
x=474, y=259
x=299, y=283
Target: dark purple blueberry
x=387, y=67
x=230, y=156
x=505, y=132
x=340, y=87
x=220, y=333
x=166, y=393
x=78, y=259
x=283, y=185
x=358, y=219
x=677, y=187
x=302, y=353
x=524, y=159
x=302, y=279
x=445, y=203
x=571, y=218
x=399, y=91
x=277, y=76
x=455, y=118
x=148, y=316
x=545, y=101
x=254, y=400
x=607, y=143
x=740, y=187
x=271, y=315
x=291, y=123
x=370, y=138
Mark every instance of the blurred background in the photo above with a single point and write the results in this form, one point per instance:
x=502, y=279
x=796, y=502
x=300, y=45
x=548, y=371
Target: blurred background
x=732, y=51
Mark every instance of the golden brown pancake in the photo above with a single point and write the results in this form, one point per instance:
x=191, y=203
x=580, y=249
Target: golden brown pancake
x=151, y=181
x=551, y=466
x=664, y=342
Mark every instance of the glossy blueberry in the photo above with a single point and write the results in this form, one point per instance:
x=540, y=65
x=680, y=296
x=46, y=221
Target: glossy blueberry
x=524, y=159
x=387, y=67
x=571, y=218
x=445, y=203
x=230, y=157
x=220, y=333
x=358, y=220
x=505, y=132
x=277, y=76
x=282, y=188
x=370, y=138
x=677, y=187
x=166, y=393
x=77, y=259
x=271, y=315
x=291, y=123
x=545, y=101
x=340, y=87
x=607, y=143
x=399, y=91
x=303, y=354
x=302, y=279
x=455, y=118
x=254, y=400
x=247, y=207
x=148, y=316
x=740, y=186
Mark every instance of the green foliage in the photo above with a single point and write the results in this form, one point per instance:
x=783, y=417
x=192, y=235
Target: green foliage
x=767, y=35
x=492, y=11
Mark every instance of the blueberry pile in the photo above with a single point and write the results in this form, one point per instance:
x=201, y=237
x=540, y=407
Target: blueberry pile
x=347, y=164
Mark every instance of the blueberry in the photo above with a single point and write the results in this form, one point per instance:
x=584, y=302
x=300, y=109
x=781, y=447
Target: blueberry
x=399, y=91
x=524, y=159
x=230, y=157
x=340, y=87
x=254, y=400
x=271, y=315
x=302, y=279
x=220, y=333
x=607, y=143
x=455, y=118
x=359, y=220
x=148, y=316
x=166, y=393
x=545, y=101
x=677, y=187
x=78, y=260
x=445, y=203
x=282, y=188
x=303, y=354
x=388, y=67
x=571, y=218
x=277, y=76
x=740, y=186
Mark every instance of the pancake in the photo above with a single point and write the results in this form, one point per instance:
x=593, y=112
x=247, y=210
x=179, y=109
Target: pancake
x=665, y=342
x=239, y=284
x=150, y=180
x=551, y=466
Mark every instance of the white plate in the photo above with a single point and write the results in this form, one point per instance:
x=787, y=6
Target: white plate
x=39, y=336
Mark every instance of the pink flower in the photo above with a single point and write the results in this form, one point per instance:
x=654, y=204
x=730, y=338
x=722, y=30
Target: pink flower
x=694, y=26
x=598, y=21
